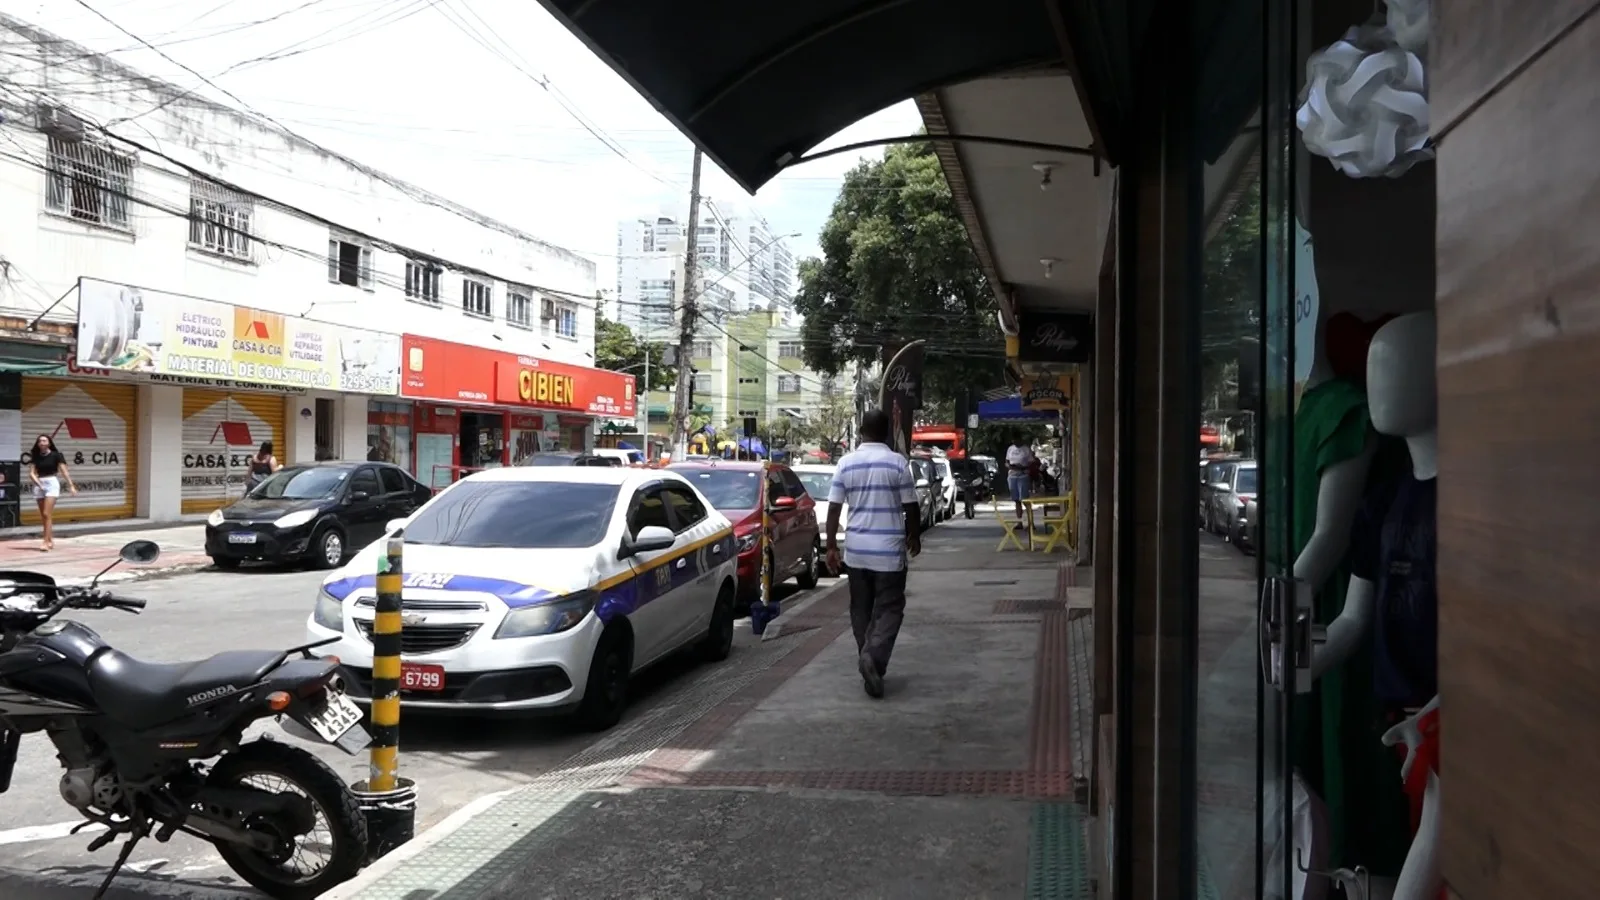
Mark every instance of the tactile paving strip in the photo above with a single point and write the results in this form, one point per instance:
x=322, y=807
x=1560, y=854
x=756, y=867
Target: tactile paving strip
x=1080, y=642
x=1050, y=738
x=903, y=783
x=1027, y=607
x=1058, y=863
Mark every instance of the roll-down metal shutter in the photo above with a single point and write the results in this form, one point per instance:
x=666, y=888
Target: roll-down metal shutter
x=221, y=432
x=95, y=425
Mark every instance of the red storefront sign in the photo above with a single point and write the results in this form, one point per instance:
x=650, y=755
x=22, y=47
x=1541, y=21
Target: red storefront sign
x=445, y=371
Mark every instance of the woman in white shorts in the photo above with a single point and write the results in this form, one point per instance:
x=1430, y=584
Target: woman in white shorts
x=47, y=468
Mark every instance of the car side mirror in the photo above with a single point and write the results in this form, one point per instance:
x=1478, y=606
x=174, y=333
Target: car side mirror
x=396, y=524
x=649, y=539
x=358, y=496
x=140, y=553
x=782, y=503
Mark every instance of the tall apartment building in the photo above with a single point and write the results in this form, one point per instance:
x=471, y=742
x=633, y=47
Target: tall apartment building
x=196, y=281
x=743, y=267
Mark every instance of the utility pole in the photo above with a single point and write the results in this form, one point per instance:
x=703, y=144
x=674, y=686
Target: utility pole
x=691, y=260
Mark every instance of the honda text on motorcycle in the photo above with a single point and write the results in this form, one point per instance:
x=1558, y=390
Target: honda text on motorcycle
x=153, y=749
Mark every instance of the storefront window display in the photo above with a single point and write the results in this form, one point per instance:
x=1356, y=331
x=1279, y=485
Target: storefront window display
x=389, y=432
x=1318, y=627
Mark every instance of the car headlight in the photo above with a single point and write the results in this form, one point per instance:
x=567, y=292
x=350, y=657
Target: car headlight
x=329, y=611
x=215, y=518
x=296, y=519
x=749, y=540
x=547, y=618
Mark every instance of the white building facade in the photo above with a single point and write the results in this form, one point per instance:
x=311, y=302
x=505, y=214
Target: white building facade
x=476, y=339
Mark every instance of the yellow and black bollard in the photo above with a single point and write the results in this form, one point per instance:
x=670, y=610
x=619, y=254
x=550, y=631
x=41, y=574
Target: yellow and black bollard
x=766, y=538
x=388, y=801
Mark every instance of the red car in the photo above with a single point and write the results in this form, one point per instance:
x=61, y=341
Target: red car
x=733, y=489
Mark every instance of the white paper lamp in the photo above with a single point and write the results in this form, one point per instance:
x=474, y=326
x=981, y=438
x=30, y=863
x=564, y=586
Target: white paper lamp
x=1365, y=105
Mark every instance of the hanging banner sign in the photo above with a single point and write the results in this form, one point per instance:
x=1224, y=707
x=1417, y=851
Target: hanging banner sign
x=137, y=330
x=901, y=395
x=1055, y=337
x=1048, y=394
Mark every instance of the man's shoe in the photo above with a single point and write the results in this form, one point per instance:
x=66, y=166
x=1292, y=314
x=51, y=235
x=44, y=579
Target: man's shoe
x=870, y=679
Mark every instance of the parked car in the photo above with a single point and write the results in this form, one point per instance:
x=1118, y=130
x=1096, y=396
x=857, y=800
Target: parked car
x=572, y=458
x=927, y=500
x=734, y=489
x=1212, y=473
x=818, y=481
x=1228, y=498
x=315, y=513
x=1249, y=531
x=624, y=456
x=542, y=590
x=946, y=487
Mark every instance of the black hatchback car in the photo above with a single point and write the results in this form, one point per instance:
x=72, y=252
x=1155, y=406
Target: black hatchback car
x=318, y=514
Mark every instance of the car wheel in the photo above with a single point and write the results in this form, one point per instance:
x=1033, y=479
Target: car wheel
x=807, y=579
x=718, y=642
x=605, y=693
x=328, y=549
x=223, y=562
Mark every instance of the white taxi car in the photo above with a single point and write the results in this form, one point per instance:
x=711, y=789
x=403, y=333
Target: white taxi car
x=818, y=481
x=542, y=589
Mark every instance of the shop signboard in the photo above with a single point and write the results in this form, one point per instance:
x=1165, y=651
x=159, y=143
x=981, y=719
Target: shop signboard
x=153, y=333
x=1049, y=393
x=1059, y=338
x=460, y=373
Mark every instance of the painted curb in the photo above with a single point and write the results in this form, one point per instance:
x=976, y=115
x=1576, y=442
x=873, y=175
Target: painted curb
x=371, y=875
x=115, y=577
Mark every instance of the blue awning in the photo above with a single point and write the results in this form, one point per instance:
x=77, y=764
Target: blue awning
x=1010, y=410
x=752, y=444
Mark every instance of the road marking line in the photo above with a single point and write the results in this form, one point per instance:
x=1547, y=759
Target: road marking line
x=46, y=832
x=427, y=839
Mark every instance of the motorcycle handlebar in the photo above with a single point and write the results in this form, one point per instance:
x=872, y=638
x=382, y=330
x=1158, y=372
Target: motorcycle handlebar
x=88, y=598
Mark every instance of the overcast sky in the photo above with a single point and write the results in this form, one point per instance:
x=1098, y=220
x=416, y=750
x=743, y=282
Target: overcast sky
x=447, y=94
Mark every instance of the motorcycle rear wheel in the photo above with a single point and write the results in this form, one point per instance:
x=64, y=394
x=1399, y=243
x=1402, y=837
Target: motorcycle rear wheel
x=329, y=796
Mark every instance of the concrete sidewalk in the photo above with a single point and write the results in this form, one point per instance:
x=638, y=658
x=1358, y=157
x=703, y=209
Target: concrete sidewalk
x=80, y=554
x=776, y=776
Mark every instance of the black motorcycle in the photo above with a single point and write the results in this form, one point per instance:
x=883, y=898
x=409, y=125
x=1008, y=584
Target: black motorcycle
x=153, y=749
x=975, y=491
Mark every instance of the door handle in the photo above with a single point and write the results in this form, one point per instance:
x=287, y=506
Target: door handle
x=680, y=564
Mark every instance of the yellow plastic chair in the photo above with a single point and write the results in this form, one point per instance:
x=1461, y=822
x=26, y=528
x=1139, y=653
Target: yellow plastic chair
x=1061, y=529
x=1011, y=526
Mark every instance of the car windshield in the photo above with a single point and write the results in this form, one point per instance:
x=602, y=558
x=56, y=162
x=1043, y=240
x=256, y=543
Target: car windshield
x=726, y=488
x=942, y=467
x=1246, y=483
x=303, y=483
x=922, y=469
x=817, y=484
x=550, y=459
x=526, y=515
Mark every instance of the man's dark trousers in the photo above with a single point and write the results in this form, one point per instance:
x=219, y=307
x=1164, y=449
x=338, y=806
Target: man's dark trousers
x=877, y=607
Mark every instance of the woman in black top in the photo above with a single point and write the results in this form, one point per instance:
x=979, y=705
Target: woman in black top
x=261, y=465
x=46, y=470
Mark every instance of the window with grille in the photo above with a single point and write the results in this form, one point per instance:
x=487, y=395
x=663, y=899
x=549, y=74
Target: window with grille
x=220, y=219
x=702, y=350
x=349, y=262
x=789, y=349
x=566, y=320
x=88, y=182
x=702, y=384
x=788, y=384
x=475, y=298
x=519, y=307
x=422, y=281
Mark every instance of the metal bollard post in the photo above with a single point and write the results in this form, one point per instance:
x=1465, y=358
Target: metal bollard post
x=763, y=612
x=388, y=801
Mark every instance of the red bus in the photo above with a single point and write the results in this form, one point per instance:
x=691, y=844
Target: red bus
x=948, y=438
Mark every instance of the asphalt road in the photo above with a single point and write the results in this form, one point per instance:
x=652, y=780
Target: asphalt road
x=453, y=761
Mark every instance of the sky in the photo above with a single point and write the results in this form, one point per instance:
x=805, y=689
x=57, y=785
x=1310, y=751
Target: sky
x=487, y=102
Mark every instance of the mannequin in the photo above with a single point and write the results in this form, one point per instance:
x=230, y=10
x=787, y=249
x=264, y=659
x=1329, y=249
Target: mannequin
x=1393, y=564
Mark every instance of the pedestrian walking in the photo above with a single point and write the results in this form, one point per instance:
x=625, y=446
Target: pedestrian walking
x=46, y=470
x=1018, y=461
x=262, y=465
x=875, y=484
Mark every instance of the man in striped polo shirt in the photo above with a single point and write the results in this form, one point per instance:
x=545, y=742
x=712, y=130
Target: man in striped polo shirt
x=875, y=483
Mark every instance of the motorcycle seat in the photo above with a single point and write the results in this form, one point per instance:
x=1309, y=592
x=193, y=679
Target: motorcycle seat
x=144, y=694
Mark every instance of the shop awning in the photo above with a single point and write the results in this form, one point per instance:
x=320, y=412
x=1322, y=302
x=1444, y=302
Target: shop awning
x=757, y=85
x=1010, y=409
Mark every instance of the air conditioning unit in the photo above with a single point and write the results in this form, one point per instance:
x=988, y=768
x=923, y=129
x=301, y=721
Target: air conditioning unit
x=59, y=123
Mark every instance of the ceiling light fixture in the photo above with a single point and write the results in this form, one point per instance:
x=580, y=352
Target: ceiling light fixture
x=1049, y=263
x=1044, y=169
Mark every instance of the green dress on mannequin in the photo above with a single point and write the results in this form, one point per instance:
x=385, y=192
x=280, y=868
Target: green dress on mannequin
x=1336, y=728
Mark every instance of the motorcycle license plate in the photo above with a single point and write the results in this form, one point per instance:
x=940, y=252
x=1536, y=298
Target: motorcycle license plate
x=245, y=537
x=418, y=677
x=339, y=716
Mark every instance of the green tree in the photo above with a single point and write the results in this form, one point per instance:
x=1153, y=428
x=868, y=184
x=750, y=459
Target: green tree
x=616, y=348
x=897, y=265
x=833, y=420
x=1231, y=280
